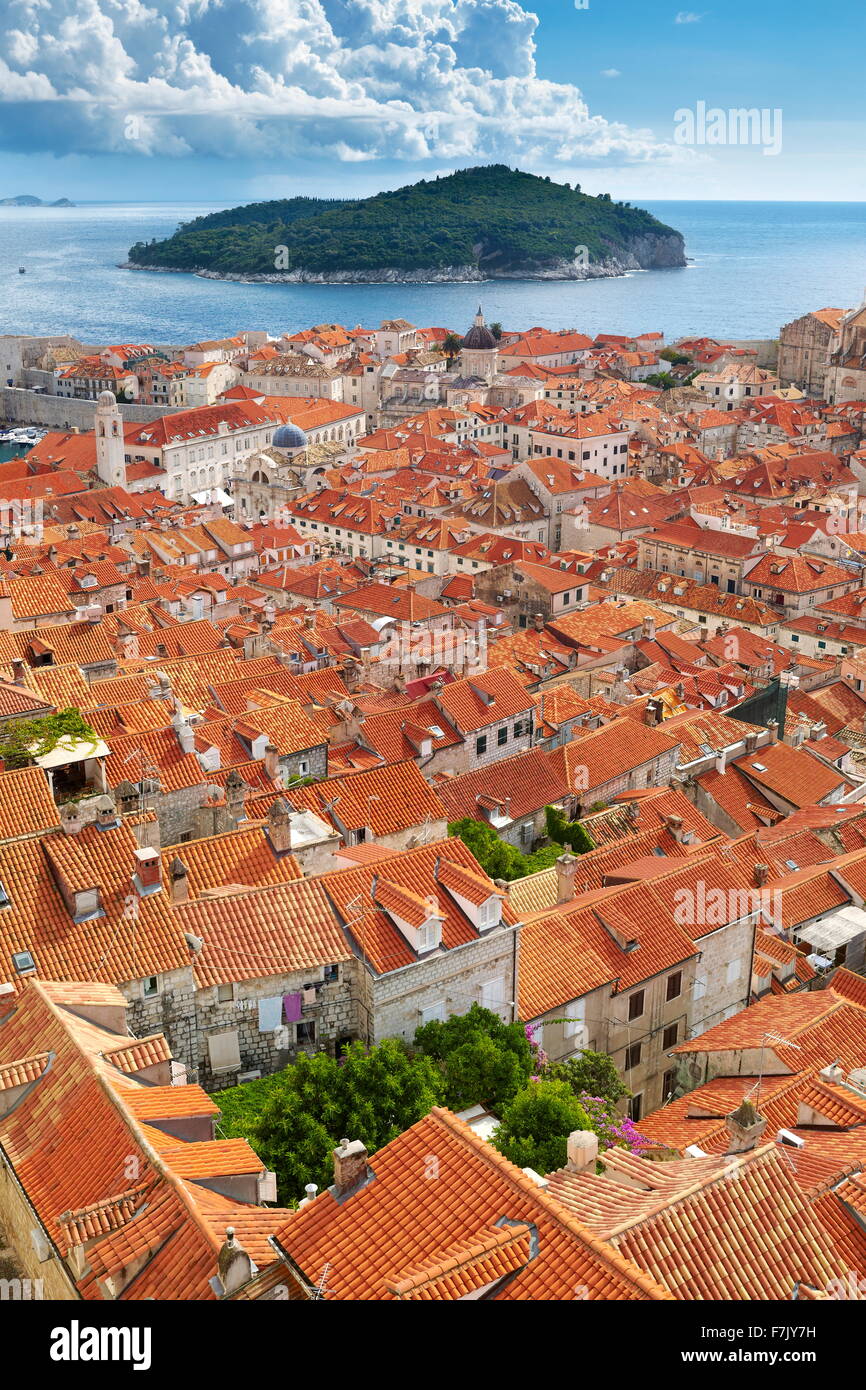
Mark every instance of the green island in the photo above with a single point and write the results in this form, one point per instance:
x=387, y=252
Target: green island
x=483, y=223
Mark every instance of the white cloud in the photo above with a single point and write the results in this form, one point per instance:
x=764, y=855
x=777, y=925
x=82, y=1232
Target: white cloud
x=611, y=72
x=688, y=17
x=346, y=80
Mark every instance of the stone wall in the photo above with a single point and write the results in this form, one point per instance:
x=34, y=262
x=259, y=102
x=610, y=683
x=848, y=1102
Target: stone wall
x=454, y=978
x=171, y=1011
x=18, y=1221
x=19, y=406
x=335, y=1015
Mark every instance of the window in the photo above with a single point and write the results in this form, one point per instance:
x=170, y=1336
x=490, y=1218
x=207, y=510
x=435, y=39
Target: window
x=502, y=735
x=632, y=1056
x=733, y=971
x=635, y=1004
x=670, y=1037
x=225, y=993
x=635, y=1107
x=224, y=1051
x=429, y=935
x=150, y=987
x=481, y=745
x=669, y=1083
x=305, y=1033
x=491, y=995
x=675, y=985
x=332, y=974
x=434, y=1013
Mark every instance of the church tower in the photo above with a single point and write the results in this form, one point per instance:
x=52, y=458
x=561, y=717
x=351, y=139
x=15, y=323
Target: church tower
x=110, y=462
x=479, y=355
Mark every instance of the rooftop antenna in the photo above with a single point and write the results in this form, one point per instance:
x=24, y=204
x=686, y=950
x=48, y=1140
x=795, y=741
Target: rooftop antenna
x=320, y=1290
x=769, y=1036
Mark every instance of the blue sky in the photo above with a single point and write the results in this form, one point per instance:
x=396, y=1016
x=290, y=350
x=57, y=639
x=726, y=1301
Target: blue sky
x=231, y=100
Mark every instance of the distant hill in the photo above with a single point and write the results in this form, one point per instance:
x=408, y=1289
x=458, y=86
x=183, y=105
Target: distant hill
x=26, y=200
x=488, y=222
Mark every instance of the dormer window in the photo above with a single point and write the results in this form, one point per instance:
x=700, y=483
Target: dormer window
x=430, y=935
x=87, y=904
x=489, y=913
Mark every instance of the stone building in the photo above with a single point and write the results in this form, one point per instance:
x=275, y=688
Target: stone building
x=805, y=346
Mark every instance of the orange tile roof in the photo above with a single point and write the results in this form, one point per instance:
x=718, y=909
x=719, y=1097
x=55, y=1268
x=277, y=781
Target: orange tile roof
x=83, y=1123
x=26, y=804
x=384, y=799
x=735, y=1227
x=395, y=1238
x=254, y=935
x=241, y=856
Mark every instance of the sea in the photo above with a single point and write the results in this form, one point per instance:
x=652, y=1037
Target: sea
x=752, y=267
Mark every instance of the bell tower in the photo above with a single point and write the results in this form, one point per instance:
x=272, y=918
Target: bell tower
x=110, y=461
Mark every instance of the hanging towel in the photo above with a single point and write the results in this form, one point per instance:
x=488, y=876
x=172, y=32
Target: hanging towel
x=293, y=1004
x=269, y=1013
x=309, y=994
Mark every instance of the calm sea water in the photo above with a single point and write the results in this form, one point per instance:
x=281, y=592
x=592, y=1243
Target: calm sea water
x=754, y=266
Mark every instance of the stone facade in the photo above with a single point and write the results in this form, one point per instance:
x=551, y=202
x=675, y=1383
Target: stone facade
x=804, y=353
x=483, y=971
x=333, y=1018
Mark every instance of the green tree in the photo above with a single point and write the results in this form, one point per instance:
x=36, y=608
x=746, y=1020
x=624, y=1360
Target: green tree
x=497, y=858
x=565, y=832
x=536, y=1124
x=496, y=330
x=483, y=1061
x=22, y=740
x=296, y=1117
x=592, y=1073
x=451, y=345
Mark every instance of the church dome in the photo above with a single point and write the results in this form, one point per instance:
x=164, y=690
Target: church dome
x=106, y=398
x=479, y=335
x=289, y=437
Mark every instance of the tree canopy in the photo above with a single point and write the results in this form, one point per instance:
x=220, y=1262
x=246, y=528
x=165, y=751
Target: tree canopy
x=483, y=1060
x=535, y=1125
x=493, y=217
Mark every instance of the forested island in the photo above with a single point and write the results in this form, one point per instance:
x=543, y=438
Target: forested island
x=490, y=222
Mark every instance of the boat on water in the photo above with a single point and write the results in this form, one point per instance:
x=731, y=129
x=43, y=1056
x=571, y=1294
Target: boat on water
x=22, y=270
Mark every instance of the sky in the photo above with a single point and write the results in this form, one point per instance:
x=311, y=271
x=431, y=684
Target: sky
x=232, y=101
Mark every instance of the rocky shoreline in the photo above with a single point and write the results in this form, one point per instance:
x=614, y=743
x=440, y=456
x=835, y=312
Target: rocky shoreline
x=649, y=253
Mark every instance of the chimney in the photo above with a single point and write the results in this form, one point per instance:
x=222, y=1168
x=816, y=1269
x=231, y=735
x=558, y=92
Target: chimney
x=272, y=760
x=745, y=1127
x=538, y=622
x=648, y=629
x=773, y=730
x=234, y=1264
x=235, y=790
x=350, y=1167
x=582, y=1151
x=70, y=818
x=633, y=812
x=761, y=874
x=566, y=868
x=675, y=826
x=179, y=881
x=18, y=669
x=279, y=831
x=185, y=735
x=147, y=878
x=751, y=742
